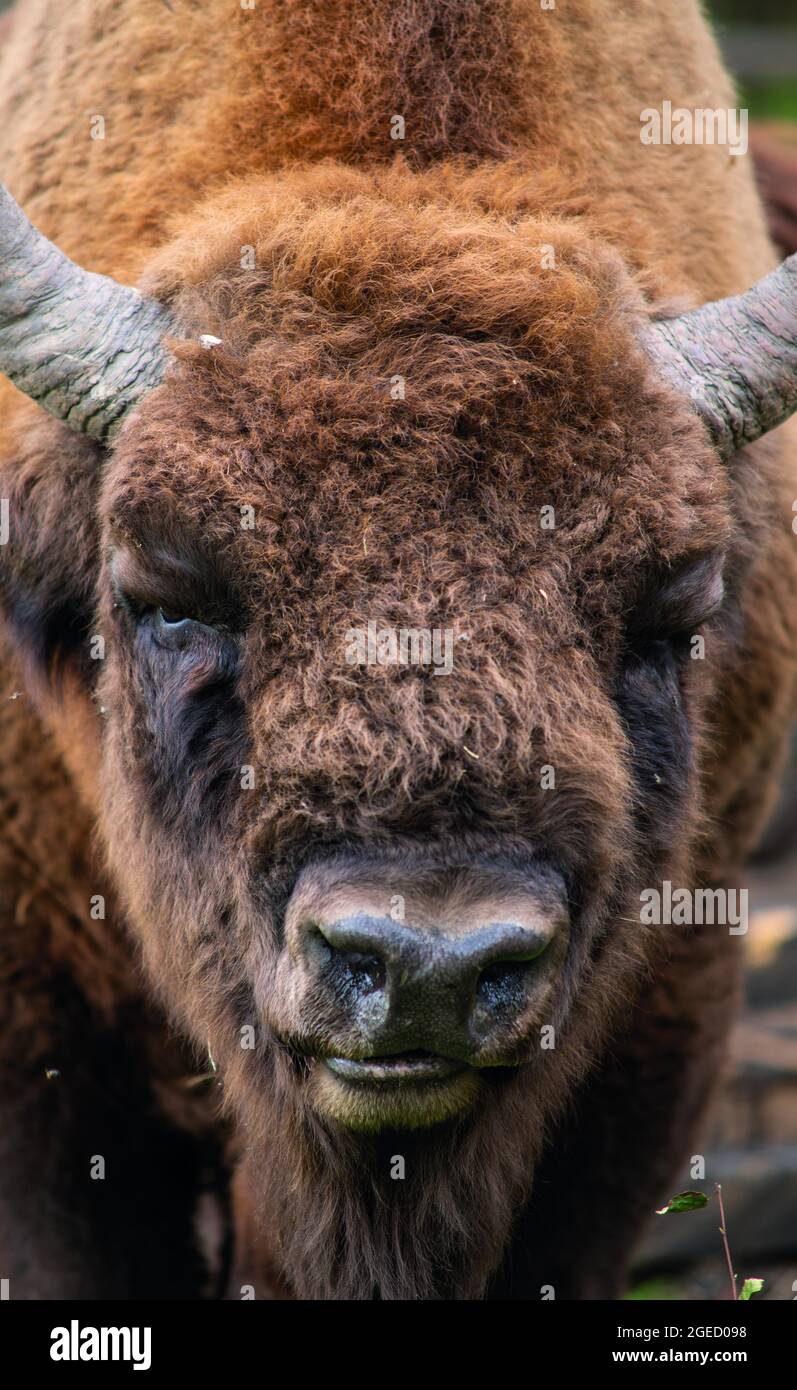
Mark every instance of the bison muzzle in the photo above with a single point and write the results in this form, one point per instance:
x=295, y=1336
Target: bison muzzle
x=416, y=1003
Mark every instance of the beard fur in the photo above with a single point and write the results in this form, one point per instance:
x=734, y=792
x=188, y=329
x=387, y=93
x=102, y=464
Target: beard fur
x=339, y=1225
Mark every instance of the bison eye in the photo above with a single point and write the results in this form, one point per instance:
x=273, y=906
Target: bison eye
x=172, y=629
x=167, y=618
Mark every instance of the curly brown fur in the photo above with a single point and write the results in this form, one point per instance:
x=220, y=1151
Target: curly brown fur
x=525, y=387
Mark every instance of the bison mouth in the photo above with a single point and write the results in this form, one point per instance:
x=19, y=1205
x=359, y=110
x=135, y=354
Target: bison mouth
x=400, y=1070
x=406, y=1090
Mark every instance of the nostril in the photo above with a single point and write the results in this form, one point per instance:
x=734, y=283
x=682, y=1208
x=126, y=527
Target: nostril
x=503, y=984
x=357, y=973
x=509, y=953
x=351, y=970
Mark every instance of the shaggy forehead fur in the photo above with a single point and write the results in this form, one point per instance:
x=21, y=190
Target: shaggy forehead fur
x=523, y=387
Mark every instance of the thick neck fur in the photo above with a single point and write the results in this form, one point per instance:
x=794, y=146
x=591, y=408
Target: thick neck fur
x=193, y=95
x=342, y=1226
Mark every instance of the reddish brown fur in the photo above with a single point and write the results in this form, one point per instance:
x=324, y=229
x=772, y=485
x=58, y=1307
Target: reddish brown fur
x=525, y=387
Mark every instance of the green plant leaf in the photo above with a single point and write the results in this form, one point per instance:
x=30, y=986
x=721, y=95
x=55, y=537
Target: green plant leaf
x=749, y=1287
x=684, y=1201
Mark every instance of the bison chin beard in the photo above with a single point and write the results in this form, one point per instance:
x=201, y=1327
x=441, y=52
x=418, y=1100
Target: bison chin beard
x=337, y=1225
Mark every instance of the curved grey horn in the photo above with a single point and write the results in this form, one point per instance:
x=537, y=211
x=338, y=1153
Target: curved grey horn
x=736, y=358
x=83, y=346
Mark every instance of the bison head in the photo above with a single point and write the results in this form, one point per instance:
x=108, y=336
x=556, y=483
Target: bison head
x=397, y=577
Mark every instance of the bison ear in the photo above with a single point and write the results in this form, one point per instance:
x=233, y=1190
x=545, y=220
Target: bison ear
x=691, y=596
x=86, y=349
x=48, y=564
x=674, y=603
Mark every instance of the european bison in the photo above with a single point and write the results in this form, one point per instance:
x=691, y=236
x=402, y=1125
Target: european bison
x=369, y=670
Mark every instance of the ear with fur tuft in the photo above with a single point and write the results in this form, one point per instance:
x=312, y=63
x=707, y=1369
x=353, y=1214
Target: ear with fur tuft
x=674, y=603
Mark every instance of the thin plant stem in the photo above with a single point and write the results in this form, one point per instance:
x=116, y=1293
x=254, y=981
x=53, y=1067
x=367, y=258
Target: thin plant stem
x=724, y=1234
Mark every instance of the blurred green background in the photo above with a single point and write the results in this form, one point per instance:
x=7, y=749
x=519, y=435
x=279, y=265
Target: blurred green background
x=759, y=38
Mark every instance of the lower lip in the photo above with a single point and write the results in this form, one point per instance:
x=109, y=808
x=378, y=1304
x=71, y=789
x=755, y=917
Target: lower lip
x=395, y=1071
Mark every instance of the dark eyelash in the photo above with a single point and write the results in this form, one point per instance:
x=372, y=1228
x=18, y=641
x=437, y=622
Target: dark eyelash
x=139, y=609
x=227, y=623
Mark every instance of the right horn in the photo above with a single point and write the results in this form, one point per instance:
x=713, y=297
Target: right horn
x=82, y=345
x=736, y=358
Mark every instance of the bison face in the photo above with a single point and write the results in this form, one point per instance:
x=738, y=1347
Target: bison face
x=389, y=883
x=400, y=579
x=400, y=583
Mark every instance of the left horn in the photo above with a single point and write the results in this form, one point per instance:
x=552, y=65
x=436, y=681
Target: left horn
x=736, y=358
x=83, y=346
